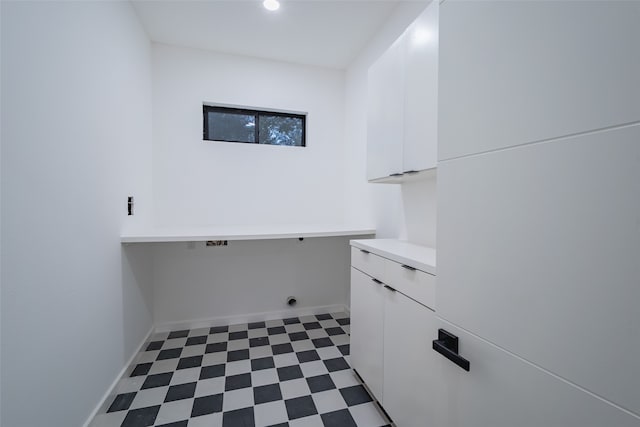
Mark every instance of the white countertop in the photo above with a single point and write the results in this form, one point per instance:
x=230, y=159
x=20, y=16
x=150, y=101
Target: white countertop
x=421, y=257
x=259, y=232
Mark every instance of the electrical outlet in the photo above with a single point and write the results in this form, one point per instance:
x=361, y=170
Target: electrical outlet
x=216, y=243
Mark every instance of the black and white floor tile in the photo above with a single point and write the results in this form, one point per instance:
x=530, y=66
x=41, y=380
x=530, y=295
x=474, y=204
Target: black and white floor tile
x=293, y=372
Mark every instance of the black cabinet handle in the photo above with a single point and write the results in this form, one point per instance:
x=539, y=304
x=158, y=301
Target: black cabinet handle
x=447, y=345
x=396, y=174
x=410, y=172
x=376, y=281
x=408, y=267
x=390, y=288
x=364, y=251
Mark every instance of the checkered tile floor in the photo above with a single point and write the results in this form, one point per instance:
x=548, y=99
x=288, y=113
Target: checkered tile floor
x=293, y=372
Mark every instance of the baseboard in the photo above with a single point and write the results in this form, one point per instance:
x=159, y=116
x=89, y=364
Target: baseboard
x=247, y=318
x=109, y=392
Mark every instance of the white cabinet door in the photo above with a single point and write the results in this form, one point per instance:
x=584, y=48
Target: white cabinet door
x=538, y=252
x=403, y=100
x=367, y=326
x=409, y=362
x=501, y=390
x=421, y=92
x=385, y=113
x=523, y=71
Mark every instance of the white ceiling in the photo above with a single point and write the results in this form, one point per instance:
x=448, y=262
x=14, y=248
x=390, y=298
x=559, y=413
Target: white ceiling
x=315, y=32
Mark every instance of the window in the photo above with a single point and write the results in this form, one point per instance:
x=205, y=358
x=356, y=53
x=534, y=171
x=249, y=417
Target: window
x=253, y=126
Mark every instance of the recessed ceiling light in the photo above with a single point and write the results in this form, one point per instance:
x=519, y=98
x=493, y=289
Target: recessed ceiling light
x=271, y=4
x=421, y=36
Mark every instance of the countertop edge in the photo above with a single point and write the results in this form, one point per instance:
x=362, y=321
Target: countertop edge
x=422, y=257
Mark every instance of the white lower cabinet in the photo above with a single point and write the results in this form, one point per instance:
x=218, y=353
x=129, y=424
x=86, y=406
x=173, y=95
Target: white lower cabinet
x=501, y=390
x=409, y=362
x=367, y=323
x=392, y=333
x=475, y=384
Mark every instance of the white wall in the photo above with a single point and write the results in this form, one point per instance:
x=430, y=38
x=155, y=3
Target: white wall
x=0, y=223
x=248, y=277
x=76, y=126
x=406, y=211
x=221, y=183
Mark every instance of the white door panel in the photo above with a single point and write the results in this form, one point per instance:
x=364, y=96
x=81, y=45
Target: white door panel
x=501, y=390
x=539, y=252
x=523, y=71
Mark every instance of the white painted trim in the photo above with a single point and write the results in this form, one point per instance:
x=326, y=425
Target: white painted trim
x=109, y=392
x=247, y=318
x=244, y=107
x=347, y=309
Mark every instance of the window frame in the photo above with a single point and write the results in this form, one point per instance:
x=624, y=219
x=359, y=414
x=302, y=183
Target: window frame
x=256, y=114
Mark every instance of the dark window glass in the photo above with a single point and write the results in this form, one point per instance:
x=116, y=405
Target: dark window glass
x=253, y=126
x=281, y=130
x=231, y=127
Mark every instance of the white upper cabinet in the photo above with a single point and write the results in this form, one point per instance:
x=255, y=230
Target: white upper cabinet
x=518, y=72
x=420, y=148
x=402, y=102
x=385, y=131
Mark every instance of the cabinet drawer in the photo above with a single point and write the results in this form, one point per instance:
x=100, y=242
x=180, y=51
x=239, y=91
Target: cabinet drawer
x=415, y=284
x=369, y=263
